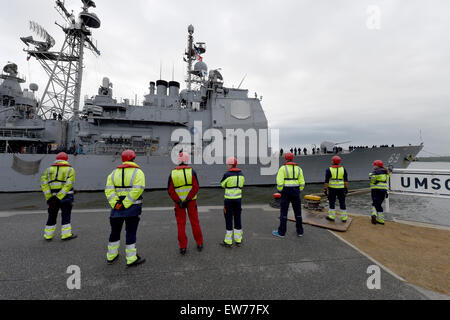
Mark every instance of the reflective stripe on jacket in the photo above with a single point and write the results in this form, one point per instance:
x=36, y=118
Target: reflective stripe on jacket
x=290, y=175
x=233, y=182
x=379, y=179
x=127, y=183
x=337, y=178
x=58, y=180
x=182, y=182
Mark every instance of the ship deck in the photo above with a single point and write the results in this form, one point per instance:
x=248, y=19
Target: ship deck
x=317, y=266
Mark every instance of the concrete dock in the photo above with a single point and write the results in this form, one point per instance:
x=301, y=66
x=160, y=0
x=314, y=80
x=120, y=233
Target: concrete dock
x=316, y=266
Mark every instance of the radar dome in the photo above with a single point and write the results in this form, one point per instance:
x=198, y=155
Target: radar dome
x=34, y=87
x=105, y=82
x=90, y=20
x=200, y=67
x=10, y=68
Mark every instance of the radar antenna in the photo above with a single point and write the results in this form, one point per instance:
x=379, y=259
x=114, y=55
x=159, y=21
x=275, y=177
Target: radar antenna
x=64, y=68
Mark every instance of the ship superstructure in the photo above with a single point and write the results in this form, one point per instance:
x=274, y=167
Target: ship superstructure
x=95, y=132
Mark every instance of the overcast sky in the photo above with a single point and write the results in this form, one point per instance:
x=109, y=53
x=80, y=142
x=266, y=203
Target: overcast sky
x=327, y=70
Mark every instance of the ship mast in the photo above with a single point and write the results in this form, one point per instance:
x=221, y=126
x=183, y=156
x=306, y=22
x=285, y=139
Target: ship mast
x=195, y=73
x=64, y=68
x=190, y=57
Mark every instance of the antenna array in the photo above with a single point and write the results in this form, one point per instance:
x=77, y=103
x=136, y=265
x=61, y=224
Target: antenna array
x=64, y=68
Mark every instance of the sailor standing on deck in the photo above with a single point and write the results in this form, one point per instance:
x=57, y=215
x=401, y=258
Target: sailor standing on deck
x=183, y=188
x=57, y=184
x=378, y=187
x=290, y=182
x=233, y=182
x=336, y=186
x=124, y=188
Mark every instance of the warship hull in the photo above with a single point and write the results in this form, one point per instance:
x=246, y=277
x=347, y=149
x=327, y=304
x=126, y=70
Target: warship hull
x=22, y=172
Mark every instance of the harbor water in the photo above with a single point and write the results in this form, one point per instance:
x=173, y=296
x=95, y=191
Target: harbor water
x=403, y=207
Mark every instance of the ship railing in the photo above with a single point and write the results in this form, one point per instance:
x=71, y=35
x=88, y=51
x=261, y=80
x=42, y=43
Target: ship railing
x=17, y=133
x=119, y=149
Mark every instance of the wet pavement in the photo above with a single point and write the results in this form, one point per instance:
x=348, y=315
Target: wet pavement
x=316, y=266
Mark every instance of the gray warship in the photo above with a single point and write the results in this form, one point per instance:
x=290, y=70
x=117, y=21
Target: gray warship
x=32, y=130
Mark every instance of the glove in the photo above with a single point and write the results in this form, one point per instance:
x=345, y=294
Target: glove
x=119, y=205
x=184, y=204
x=53, y=200
x=345, y=191
x=387, y=195
x=325, y=191
x=180, y=204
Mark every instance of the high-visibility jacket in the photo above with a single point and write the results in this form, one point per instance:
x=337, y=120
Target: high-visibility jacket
x=290, y=175
x=233, y=182
x=126, y=183
x=58, y=180
x=337, y=178
x=182, y=181
x=379, y=179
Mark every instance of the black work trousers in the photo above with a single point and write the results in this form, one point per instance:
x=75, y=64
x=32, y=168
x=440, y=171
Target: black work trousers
x=232, y=211
x=334, y=193
x=66, y=211
x=378, y=196
x=131, y=226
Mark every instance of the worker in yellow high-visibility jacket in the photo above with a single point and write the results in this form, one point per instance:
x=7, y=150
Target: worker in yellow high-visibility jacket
x=233, y=182
x=379, y=190
x=57, y=184
x=290, y=182
x=336, y=186
x=123, y=190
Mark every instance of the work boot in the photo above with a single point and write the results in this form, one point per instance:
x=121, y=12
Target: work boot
x=374, y=219
x=374, y=216
x=199, y=247
x=331, y=215
x=112, y=261
x=344, y=216
x=182, y=251
x=226, y=245
x=380, y=218
x=73, y=236
x=137, y=262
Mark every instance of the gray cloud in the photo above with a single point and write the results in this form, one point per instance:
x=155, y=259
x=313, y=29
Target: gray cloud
x=322, y=73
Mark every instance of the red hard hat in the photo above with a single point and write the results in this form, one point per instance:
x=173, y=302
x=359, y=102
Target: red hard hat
x=183, y=157
x=378, y=163
x=62, y=156
x=232, y=161
x=289, y=156
x=336, y=160
x=128, y=155
x=277, y=195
